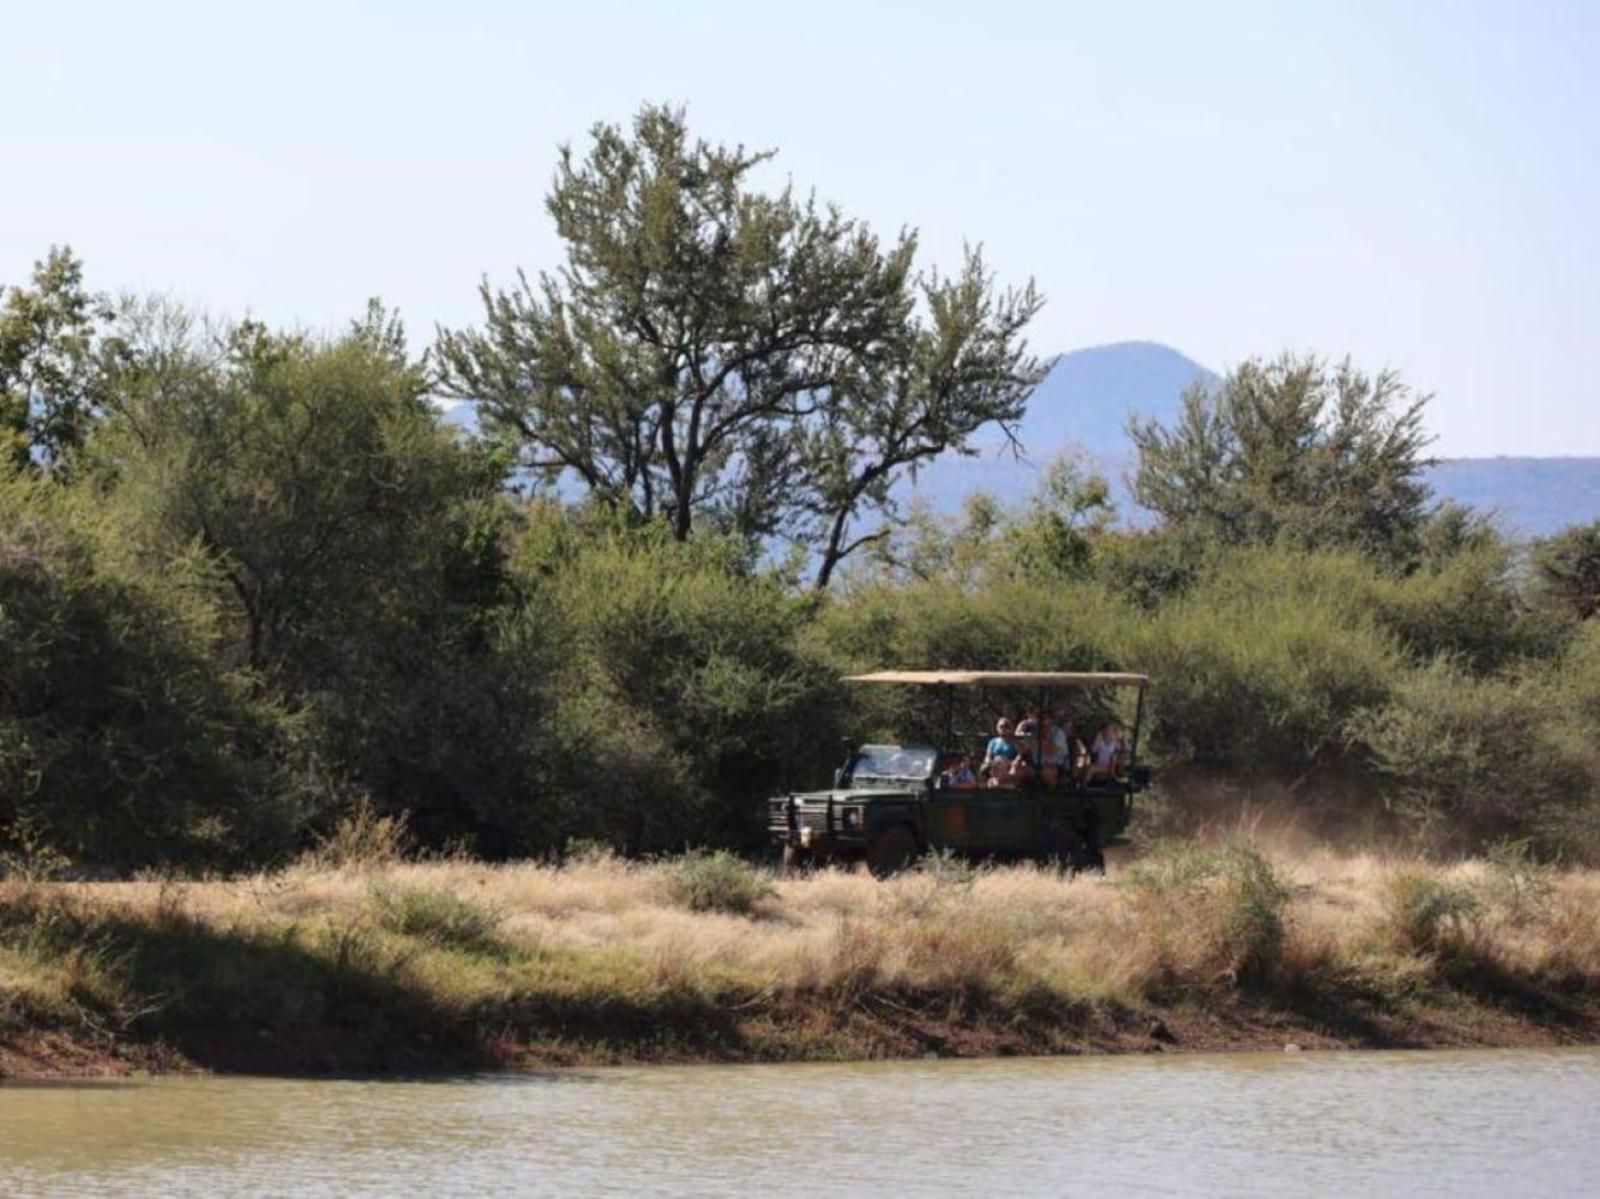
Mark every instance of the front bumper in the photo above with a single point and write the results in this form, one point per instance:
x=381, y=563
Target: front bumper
x=816, y=826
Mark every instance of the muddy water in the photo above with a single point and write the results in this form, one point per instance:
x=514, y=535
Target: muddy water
x=1484, y=1123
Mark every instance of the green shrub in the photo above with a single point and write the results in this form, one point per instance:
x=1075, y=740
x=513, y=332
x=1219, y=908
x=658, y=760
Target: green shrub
x=718, y=882
x=1471, y=761
x=437, y=915
x=1425, y=914
x=681, y=690
x=1225, y=904
x=125, y=739
x=1259, y=665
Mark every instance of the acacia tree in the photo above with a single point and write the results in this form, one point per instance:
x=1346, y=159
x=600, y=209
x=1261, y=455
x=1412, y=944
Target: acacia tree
x=50, y=340
x=1292, y=449
x=967, y=367
x=711, y=352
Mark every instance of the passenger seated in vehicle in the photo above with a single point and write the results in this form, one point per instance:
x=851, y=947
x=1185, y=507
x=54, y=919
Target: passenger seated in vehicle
x=1013, y=773
x=1001, y=751
x=957, y=774
x=1077, y=752
x=1046, y=746
x=1105, y=755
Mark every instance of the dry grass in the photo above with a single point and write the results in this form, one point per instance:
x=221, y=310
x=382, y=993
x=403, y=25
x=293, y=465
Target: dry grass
x=603, y=957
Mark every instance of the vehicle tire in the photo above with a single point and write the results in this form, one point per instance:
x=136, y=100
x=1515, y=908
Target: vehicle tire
x=1089, y=856
x=891, y=851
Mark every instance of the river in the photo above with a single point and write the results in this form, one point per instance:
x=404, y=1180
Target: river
x=1445, y=1123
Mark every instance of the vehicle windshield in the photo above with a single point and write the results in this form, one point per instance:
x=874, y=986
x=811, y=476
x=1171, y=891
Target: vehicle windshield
x=893, y=762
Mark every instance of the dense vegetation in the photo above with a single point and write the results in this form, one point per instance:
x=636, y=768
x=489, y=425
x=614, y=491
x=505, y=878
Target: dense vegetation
x=250, y=586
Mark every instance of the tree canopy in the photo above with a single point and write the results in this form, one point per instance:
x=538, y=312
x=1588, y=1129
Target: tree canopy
x=50, y=340
x=1567, y=569
x=1293, y=448
x=711, y=353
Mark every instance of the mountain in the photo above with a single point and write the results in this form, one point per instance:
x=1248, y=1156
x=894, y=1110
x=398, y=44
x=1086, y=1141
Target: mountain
x=1529, y=497
x=1086, y=399
x=1089, y=395
x=1083, y=405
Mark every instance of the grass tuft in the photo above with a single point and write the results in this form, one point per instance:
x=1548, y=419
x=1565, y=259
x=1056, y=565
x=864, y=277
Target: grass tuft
x=718, y=882
x=1426, y=914
x=436, y=915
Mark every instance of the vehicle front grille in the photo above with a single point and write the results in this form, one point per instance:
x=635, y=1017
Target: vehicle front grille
x=812, y=818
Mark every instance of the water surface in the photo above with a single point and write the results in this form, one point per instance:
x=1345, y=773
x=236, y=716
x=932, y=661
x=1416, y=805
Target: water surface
x=1478, y=1123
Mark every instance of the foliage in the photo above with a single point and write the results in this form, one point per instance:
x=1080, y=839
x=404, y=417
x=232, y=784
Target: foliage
x=356, y=546
x=718, y=882
x=715, y=355
x=1567, y=570
x=1323, y=457
x=1227, y=898
x=123, y=739
x=682, y=689
x=1426, y=914
x=51, y=340
x=1261, y=663
x=1470, y=760
x=437, y=915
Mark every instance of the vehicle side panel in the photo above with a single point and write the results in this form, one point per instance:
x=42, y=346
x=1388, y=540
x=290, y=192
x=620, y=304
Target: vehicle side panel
x=953, y=820
x=1008, y=821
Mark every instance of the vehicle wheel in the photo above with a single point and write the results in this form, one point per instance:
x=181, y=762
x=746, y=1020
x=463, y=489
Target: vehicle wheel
x=1089, y=856
x=892, y=851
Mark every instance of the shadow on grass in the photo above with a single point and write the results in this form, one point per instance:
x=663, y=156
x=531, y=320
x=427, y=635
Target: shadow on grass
x=341, y=1001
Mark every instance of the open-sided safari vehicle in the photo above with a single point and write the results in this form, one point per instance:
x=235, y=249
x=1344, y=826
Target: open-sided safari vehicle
x=957, y=789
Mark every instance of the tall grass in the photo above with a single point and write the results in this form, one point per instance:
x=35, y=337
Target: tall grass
x=456, y=962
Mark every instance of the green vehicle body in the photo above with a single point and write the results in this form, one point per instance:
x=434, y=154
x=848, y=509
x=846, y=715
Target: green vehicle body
x=887, y=805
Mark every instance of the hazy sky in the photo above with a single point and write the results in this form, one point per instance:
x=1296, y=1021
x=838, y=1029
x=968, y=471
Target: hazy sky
x=1415, y=184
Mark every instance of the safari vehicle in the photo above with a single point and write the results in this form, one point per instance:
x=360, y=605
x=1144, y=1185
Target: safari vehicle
x=891, y=803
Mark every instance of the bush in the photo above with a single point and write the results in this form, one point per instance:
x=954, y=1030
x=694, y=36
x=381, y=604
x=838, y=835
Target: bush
x=436, y=915
x=1223, y=908
x=1261, y=664
x=681, y=691
x=124, y=739
x=363, y=838
x=1423, y=914
x=1471, y=761
x=718, y=882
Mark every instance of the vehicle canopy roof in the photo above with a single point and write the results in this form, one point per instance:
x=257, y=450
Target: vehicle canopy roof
x=1002, y=678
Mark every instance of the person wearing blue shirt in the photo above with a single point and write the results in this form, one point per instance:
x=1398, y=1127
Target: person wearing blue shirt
x=1001, y=751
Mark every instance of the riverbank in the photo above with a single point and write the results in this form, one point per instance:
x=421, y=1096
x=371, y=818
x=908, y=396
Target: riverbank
x=451, y=965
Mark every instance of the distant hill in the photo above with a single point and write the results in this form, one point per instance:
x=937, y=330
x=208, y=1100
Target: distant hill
x=1083, y=405
x=1089, y=395
x=1085, y=401
x=1531, y=497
